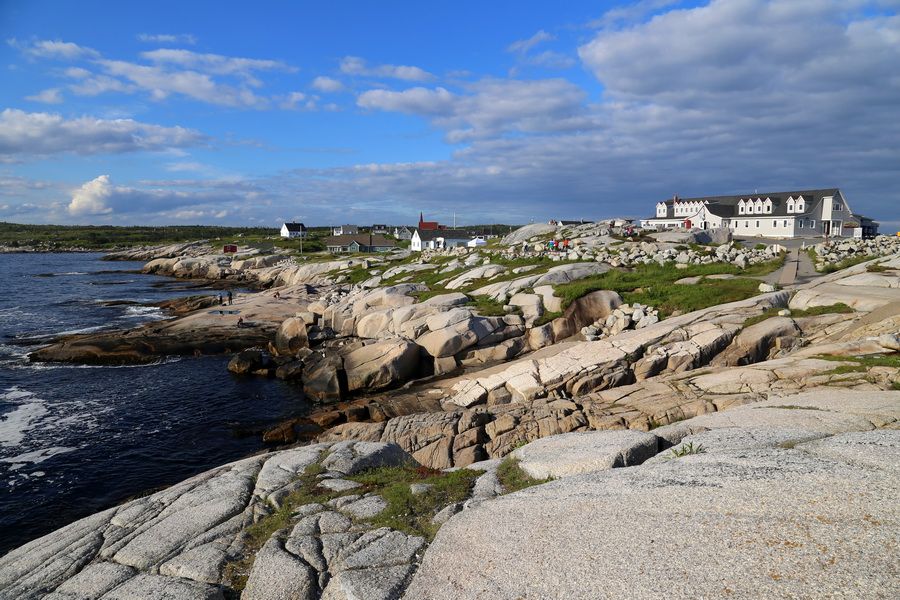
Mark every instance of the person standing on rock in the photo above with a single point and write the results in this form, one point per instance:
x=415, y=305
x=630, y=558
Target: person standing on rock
x=240, y=322
x=221, y=302
x=230, y=298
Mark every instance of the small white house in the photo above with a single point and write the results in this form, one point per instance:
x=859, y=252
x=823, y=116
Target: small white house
x=403, y=233
x=440, y=239
x=345, y=230
x=293, y=230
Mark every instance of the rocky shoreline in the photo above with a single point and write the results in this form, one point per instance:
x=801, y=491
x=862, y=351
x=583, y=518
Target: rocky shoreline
x=431, y=413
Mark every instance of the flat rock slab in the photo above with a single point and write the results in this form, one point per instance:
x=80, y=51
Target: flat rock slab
x=816, y=521
x=585, y=452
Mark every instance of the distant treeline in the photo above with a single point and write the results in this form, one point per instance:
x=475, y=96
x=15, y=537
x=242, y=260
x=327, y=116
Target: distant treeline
x=14, y=234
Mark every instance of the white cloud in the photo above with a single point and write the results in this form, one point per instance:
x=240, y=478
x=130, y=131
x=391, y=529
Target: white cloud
x=354, y=65
x=525, y=46
x=327, y=84
x=167, y=38
x=417, y=100
x=211, y=78
x=48, y=96
x=53, y=49
x=31, y=135
x=298, y=101
x=490, y=107
x=92, y=198
x=200, y=200
x=216, y=64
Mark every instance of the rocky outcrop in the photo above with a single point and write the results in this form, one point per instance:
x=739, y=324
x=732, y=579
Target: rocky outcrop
x=291, y=337
x=177, y=543
x=822, y=520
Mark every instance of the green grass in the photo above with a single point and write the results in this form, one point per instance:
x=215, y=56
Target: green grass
x=839, y=308
x=649, y=276
x=412, y=513
x=547, y=317
x=237, y=571
x=869, y=361
x=877, y=268
x=513, y=478
x=844, y=264
x=686, y=450
x=687, y=298
x=405, y=512
x=487, y=306
x=895, y=385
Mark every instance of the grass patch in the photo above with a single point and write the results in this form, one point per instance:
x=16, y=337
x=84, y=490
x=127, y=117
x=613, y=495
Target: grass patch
x=662, y=278
x=793, y=407
x=895, y=385
x=487, y=306
x=405, y=512
x=877, y=269
x=547, y=317
x=237, y=572
x=412, y=513
x=846, y=369
x=844, y=264
x=686, y=450
x=687, y=298
x=872, y=360
x=513, y=478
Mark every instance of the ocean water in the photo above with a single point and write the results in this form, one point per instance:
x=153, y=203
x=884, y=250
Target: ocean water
x=78, y=439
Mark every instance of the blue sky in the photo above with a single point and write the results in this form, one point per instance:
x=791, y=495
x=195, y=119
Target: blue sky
x=237, y=113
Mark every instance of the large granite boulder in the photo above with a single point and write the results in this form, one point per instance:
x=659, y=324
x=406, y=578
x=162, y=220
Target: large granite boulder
x=291, y=337
x=585, y=452
x=380, y=365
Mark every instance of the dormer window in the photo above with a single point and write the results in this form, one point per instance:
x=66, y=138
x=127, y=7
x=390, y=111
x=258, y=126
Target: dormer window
x=790, y=206
x=741, y=207
x=767, y=207
x=800, y=204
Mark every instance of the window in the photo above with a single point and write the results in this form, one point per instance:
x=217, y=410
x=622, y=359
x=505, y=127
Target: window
x=746, y=224
x=801, y=223
x=757, y=224
x=812, y=223
x=775, y=223
x=741, y=208
x=785, y=223
x=837, y=206
x=790, y=206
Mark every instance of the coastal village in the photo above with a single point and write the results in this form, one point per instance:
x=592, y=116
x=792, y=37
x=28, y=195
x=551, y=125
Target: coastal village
x=576, y=408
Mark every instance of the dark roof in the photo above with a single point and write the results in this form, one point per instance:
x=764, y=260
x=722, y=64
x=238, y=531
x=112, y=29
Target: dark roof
x=726, y=206
x=363, y=239
x=295, y=226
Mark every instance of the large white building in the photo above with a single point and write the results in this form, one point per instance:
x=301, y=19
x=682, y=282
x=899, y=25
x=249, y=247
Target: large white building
x=805, y=213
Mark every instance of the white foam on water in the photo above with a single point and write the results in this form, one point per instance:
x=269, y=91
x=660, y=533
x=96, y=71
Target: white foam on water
x=17, y=422
x=35, y=457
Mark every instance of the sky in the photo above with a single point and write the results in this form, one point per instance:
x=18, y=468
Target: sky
x=237, y=113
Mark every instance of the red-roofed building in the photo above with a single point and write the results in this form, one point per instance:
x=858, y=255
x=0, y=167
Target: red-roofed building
x=428, y=225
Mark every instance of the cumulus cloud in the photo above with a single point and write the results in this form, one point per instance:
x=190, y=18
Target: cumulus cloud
x=167, y=38
x=354, y=65
x=199, y=200
x=92, y=198
x=327, y=84
x=30, y=135
x=48, y=96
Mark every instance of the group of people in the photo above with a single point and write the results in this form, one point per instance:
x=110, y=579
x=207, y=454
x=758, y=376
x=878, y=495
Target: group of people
x=558, y=245
x=229, y=298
